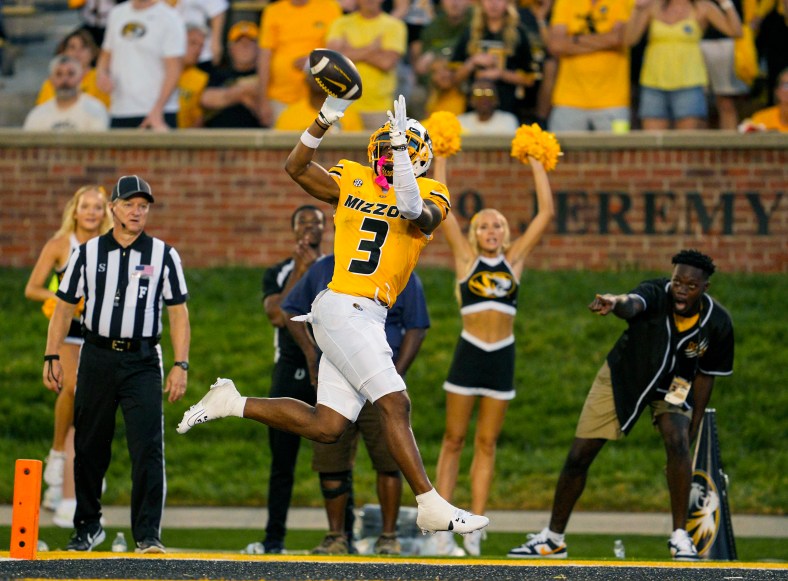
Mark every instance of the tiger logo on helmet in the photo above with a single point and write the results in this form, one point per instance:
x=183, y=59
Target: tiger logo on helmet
x=419, y=149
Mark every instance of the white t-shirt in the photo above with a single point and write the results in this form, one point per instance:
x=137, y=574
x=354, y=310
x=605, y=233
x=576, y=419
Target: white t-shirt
x=500, y=122
x=87, y=114
x=201, y=11
x=139, y=41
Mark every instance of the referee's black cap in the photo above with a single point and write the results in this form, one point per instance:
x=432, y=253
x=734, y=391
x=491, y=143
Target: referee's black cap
x=130, y=186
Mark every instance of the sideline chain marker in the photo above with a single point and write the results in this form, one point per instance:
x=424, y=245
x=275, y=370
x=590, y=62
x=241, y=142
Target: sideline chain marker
x=24, y=519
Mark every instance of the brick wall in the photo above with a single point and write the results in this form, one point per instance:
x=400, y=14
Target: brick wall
x=622, y=201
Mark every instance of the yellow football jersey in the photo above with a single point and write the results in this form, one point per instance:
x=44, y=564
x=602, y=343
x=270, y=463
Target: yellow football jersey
x=375, y=248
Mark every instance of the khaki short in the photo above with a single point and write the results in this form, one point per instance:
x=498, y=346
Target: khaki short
x=598, y=418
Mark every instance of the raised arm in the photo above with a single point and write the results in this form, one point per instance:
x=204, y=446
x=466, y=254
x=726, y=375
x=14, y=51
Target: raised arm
x=638, y=21
x=458, y=243
x=722, y=16
x=522, y=246
x=308, y=174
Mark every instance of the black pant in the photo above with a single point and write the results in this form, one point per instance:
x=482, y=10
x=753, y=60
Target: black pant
x=288, y=380
x=170, y=119
x=132, y=380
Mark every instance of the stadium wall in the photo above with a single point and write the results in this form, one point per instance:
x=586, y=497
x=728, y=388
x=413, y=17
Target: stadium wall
x=622, y=201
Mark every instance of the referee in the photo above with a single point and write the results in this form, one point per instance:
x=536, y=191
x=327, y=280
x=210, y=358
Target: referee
x=124, y=276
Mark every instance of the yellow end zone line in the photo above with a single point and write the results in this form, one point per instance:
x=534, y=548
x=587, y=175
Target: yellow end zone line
x=67, y=555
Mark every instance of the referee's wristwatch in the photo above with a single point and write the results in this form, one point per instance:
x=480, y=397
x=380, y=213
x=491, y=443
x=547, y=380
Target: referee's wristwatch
x=182, y=364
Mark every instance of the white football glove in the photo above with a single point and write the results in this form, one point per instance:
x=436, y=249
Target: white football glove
x=399, y=124
x=332, y=110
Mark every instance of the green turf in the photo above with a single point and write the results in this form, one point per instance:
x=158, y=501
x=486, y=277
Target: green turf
x=638, y=547
x=560, y=345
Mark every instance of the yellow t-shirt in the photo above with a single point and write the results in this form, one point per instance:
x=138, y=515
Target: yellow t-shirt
x=291, y=33
x=671, y=45
x=87, y=85
x=770, y=118
x=375, y=248
x=596, y=80
x=377, y=86
x=297, y=116
x=190, y=87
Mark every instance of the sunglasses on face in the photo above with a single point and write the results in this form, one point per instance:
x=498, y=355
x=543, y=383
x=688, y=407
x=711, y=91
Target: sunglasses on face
x=484, y=93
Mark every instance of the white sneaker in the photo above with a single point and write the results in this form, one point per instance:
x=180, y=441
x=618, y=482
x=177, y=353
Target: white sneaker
x=52, y=497
x=257, y=548
x=449, y=518
x=222, y=400
x=64, y=515
x=473, y=542
x=55, y=464
x=682, y=547
x=445, y=545
x=539, y=546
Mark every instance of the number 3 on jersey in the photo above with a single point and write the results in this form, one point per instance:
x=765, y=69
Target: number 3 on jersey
x=380, y=229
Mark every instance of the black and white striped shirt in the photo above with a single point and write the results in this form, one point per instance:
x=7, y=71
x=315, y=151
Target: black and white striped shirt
x=124, y=288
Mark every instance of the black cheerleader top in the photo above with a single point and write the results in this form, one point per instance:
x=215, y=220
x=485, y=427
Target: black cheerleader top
x=490, y=285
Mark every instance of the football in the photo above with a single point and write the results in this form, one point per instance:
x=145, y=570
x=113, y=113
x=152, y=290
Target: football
x=335, y=73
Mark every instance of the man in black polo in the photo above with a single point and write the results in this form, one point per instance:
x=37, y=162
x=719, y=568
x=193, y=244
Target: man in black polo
x=124, y=276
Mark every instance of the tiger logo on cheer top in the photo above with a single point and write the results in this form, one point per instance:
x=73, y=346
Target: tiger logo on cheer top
x=492, y=285
x=703, y=522
x=133, y=30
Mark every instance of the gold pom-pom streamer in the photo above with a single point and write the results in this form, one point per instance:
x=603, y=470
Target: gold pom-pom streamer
x=533, y=141
x=444, y=129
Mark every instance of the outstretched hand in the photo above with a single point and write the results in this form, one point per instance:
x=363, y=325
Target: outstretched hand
x=603, y=304
x=398, y=121
x=333, y=109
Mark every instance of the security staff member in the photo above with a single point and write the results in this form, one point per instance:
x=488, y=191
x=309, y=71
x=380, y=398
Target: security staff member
x=125, y=276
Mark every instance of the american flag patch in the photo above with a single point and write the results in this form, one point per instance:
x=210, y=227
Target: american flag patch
x=144, y=270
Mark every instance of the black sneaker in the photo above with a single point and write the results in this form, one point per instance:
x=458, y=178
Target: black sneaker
x=86, y=538
x=150, y=545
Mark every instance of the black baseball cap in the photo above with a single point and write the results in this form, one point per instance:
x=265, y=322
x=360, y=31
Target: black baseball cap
x=130, y=186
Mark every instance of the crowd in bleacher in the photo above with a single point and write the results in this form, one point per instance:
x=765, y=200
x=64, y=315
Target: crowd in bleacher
x=568, y=65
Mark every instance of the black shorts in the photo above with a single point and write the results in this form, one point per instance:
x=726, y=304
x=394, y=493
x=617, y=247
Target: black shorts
x=476, y=371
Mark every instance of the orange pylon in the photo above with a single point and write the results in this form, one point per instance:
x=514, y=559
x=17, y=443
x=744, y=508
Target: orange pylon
x=24, y=518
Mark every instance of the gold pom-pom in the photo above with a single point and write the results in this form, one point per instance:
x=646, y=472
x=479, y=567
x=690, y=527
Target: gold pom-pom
x=532, y=141
x=48, y=307
x=444, y=129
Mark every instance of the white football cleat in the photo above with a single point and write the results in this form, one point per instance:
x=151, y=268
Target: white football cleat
x=222, y=400
x=449, y=518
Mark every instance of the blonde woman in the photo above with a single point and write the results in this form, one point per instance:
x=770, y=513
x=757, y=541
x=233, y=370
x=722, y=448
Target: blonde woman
x=86, y=215
x=488, y=266
x=495, y=48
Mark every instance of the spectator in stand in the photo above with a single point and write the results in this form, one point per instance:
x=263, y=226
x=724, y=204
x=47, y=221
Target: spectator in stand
x=94, y=14
x=728, y=90
x=375, y=41
x=773, y=118
x=231, y=97
x=193, y=79
x=534, y=15
x=431, y=53
x=140, y=63
x=307, y=108
x=70, y=110
x=406, y=326
x=592, y=84
x=79, y=45
x=674, y=96
x=771, y=24
x=495, y=47
x=290, y=30
x=213, y=15
x=485, y=117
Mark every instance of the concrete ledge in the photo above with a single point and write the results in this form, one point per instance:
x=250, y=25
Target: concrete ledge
x=271, y=139
x=633, y=523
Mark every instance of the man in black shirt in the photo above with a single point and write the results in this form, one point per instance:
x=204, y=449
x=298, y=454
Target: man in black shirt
x=290, y=376
x=125, y=276
x=677, y=341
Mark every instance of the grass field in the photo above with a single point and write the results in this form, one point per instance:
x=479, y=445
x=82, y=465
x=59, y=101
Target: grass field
x=560, y=345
